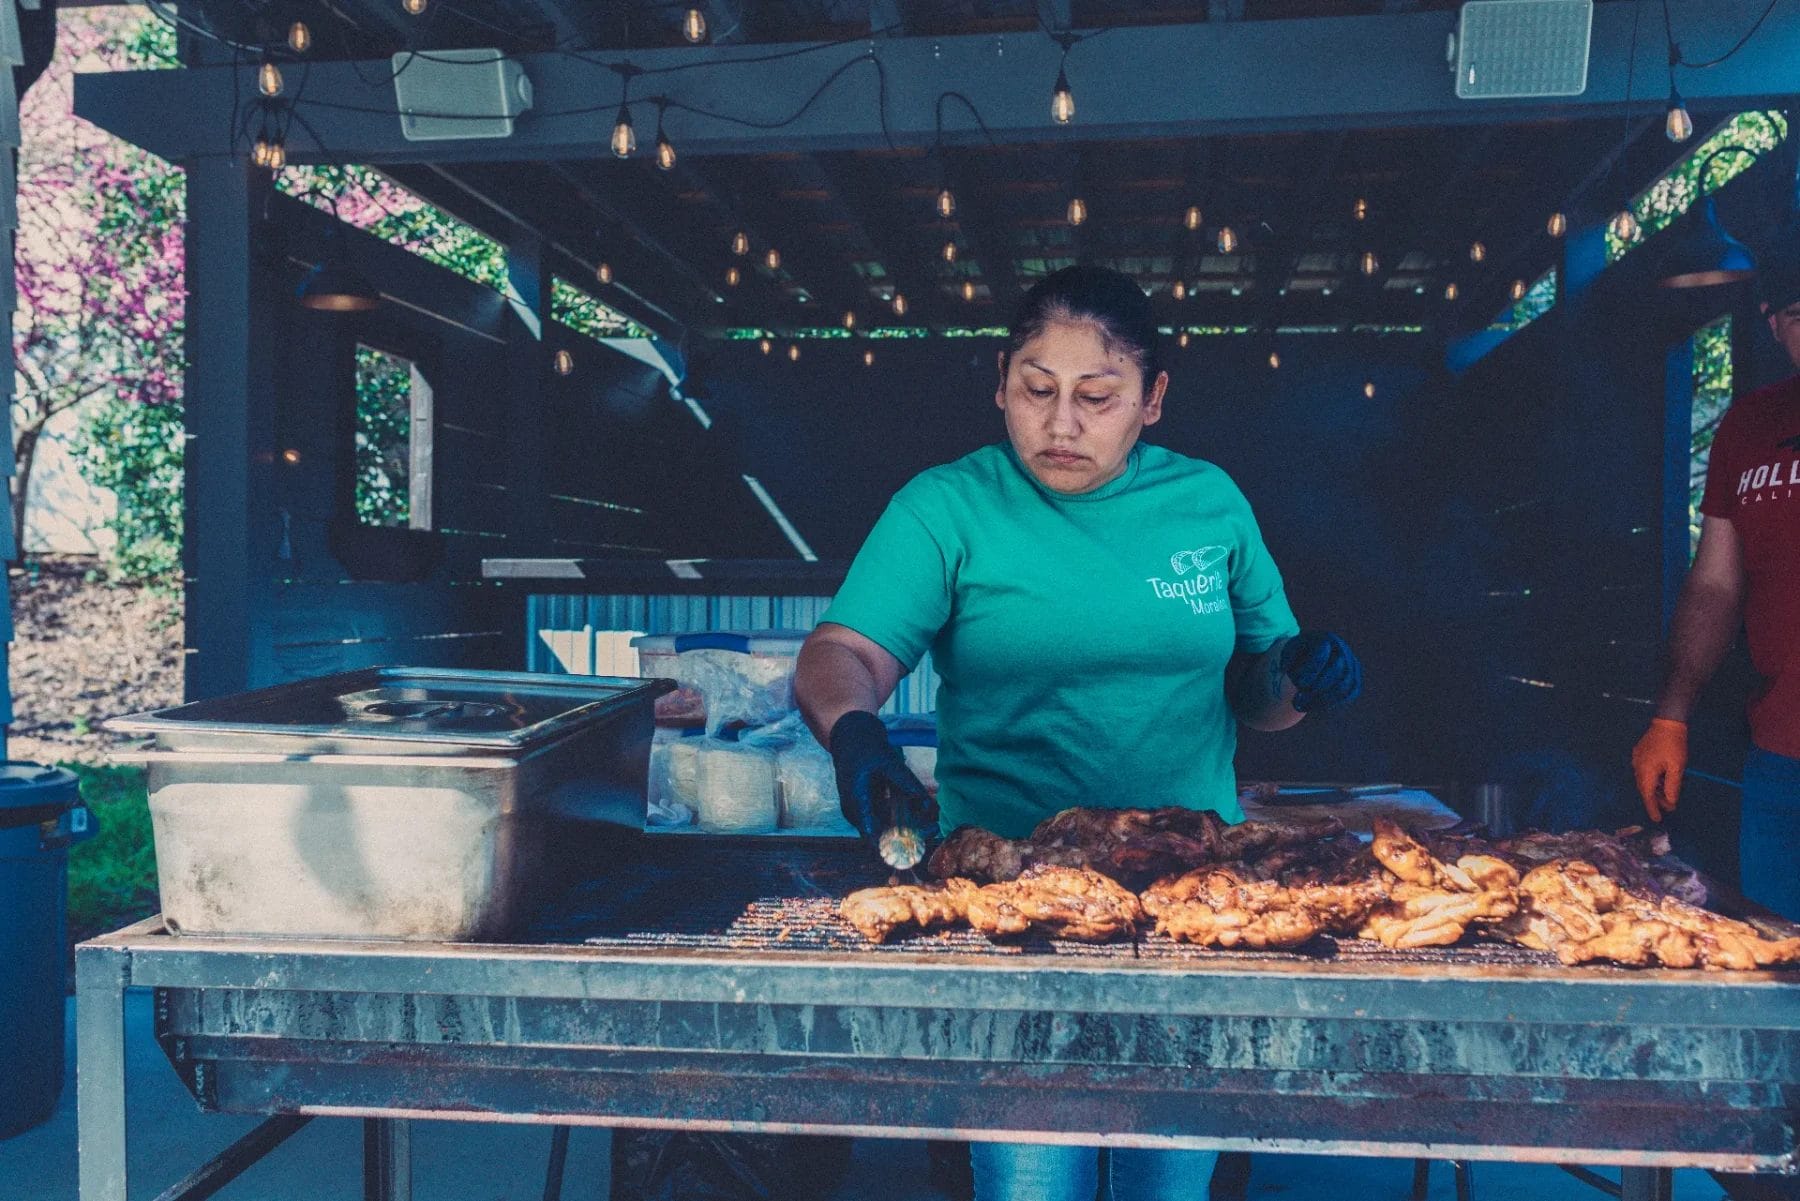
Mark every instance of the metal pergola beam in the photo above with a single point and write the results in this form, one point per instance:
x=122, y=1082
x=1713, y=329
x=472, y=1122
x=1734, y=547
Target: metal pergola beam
x=1382, y=70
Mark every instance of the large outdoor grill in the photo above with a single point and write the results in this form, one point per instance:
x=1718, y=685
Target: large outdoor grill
x=703, y=983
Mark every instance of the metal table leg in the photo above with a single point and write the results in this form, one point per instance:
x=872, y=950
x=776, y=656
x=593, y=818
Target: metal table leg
x=387, y=1159
x=1421, y=1186
x=1465, y=1179
x=1646, y=1184
x=100, y=979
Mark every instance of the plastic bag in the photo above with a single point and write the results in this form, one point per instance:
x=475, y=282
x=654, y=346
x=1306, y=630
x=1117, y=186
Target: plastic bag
x=735, y=786
x=739, y=687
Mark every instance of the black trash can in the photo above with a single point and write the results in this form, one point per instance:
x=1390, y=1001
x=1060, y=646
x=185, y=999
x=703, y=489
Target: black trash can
x=41, y=814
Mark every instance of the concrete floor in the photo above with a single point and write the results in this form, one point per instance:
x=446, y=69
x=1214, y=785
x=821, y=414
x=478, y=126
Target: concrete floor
x=463, y=1161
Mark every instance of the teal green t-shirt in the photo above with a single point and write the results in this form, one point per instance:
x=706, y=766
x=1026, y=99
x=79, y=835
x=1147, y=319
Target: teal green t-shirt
x=1081, y=640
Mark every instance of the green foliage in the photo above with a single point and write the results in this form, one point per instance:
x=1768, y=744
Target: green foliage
x=1678, y=188
x=136, y=450
x=112, y=876
x=383, y=437
x=1539, y=299
x=1712, y=396
x=585, y=315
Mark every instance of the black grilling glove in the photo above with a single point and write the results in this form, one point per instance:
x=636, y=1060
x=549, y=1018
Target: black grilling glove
x=876, y=790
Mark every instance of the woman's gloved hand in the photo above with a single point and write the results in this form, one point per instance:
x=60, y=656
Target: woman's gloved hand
x=876, y=790
x=1324, y=671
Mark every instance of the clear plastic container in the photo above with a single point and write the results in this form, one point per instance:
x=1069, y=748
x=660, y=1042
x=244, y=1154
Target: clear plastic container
x=739, y=676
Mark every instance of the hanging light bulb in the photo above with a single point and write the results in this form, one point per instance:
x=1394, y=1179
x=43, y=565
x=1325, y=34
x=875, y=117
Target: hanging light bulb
x=563, y=361
x=968, y=289
x=772, y=259
x=624, y=138
x=693, y=26
x=299, y=37
x=1077, y=210
x=1477, y=252
x=1228, y=240
x=733, y=277
x=1369, y=389
x=259, y=151
x=1678, y=125
x=949, y=252
x=1557, y=225
x=1274, y=360
x=1191, y=218
x=1179, y=291
x=946, y=203
x=1062, y=100
x=1182, y=341
x=1360, y=210
x=415, y=7
x=793, y=352
x=899, y=304
x=665, y=149
x=604, y=273
x=268, y=78
x=740, y=242
x=1368, y=264
x=1450, y=290
x=849, y=318
x=277, y=154
x=766, y=345
x=868, y=358
x=1624, y=226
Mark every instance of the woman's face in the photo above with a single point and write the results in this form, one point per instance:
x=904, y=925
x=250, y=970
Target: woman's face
x=1075, y=407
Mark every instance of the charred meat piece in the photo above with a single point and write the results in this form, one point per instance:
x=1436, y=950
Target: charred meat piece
x=878, y=912
x=1063, y=902
x=1250, y=841
x=975, y=854
x=1130, y=845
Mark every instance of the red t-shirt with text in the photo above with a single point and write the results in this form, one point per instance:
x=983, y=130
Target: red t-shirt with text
x=1753, y=480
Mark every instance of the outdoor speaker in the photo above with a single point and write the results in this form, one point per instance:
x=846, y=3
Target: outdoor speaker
x=1513, y=48
x=459, y=94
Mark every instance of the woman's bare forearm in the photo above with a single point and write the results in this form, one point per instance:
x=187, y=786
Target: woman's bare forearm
x=838, y=672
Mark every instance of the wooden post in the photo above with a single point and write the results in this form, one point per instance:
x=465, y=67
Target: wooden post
x=229, y=426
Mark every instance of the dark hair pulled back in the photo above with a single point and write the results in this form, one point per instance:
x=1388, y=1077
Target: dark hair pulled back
x=1108, y=299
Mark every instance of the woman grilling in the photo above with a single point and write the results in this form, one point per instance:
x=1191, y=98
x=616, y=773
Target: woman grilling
x=1103, y=614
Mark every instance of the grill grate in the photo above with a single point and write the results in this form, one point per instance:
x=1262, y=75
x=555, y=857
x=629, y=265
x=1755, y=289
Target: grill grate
x=691, y=892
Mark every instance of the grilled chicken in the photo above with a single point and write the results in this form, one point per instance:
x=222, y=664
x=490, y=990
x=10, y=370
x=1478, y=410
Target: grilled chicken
x=878, y=912
x=1223, y=908
x=1063, y=902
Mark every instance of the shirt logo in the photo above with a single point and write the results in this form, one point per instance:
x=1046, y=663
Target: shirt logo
x=1204, y=589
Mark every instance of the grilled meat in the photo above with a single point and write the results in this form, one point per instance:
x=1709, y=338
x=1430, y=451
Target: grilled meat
x=1131, y=845
x=1225, y=908
x=1435, y=902
x=1064, y=902
x=878, y=912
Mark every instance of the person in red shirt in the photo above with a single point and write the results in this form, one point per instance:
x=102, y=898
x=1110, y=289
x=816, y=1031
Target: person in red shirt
x=1747, y=568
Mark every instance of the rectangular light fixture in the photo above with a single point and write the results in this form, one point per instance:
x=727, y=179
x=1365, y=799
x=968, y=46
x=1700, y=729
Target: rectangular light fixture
x=1509, y=49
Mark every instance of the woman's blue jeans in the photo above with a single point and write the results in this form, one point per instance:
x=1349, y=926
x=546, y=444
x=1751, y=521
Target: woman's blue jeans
x=1030, y=1172
x=1769, y=838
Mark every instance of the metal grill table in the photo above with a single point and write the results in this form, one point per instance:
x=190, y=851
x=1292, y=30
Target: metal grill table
x=710, y=986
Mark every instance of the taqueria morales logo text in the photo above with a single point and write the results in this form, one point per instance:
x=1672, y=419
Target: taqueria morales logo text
x=1203, y=589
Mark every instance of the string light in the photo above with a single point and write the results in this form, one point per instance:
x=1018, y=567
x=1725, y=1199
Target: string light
x=868, y=358
x=849, y=318
x=1624, y=226
x=277, y=154
x=968, y=289
x=1062, y=100
x=624, y=138
x=740, y=242
x=732, y=277
x=1368, y=264
x=946, y=203
x=1678, y=126
x=1228, y=240
x=793, y=352
x=1517, y=290
x=1450, y=290
x=1179, y=291
x=563, y=361
x=899, y=304
x=268, y=78
x=290, y=455
x=604, y=273
x=766, y=345
x=949, y=252
x=1557, y=226
x=1360, y=210
x=1477, y=252
x=1191, y=218
x=772, y=259
x=299, y=37
x=1274, y=360
x=693, y=26
x=665, y=149
x=414, y=7
x=259, y=152
x=1077, y=210
x=1369, y=389
x=1182, y=341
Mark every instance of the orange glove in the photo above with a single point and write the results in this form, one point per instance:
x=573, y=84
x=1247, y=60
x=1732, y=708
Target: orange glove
x=1658, y=760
